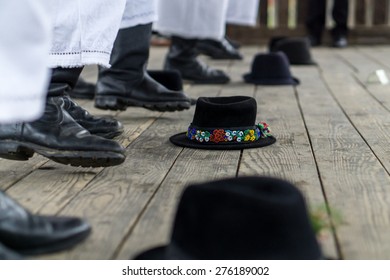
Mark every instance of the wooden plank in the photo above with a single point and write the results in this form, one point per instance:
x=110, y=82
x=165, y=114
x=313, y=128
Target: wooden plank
x=149, y=159
x=153, y=228
x=361, y=64
x=290, y=157
x=50, y=188
x=367, y=61
x=353, y=178
x=113, y=201
x=13, y=171
x=131, y=206
x=379, y=54
x=192, y=166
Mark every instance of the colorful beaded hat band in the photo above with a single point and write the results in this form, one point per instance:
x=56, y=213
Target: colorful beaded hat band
x=220, y=135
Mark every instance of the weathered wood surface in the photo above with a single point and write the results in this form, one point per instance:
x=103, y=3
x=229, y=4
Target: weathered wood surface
x=332, y=142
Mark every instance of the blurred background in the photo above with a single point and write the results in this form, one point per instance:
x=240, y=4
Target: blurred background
x=369, y=22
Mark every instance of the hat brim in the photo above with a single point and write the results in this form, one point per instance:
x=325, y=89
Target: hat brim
x=248, y=78
x=311, y=62
x=157, y=253
x=181, y=140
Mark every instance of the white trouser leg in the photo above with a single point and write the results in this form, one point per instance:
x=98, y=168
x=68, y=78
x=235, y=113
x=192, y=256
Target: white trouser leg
x=192, y=19
x=84, y=31
x=25, y=41
x=139, y=12
x=242, y=12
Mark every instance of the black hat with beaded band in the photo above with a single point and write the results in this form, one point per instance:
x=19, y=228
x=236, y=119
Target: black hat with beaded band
x=270, y=69
x=296, y=49
x=225, y=123
x=244, y=218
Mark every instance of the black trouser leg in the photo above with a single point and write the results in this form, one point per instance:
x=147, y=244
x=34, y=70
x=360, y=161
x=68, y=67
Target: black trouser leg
x=315, y=21
x=127, y=83
x=63, y=80
x=340, y=16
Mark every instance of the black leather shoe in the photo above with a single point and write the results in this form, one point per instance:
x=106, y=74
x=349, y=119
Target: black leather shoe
x=57, y=136
x=112, y=95
x=83, y=90
x=26, y=233
x=340, y=42
x=182, y=57
x=233, y=43
x=315, y=41
x=7, y=254
x=218, y=49
x=170, y=79
x=127, y=83
x=104, y=127
x=198, y=72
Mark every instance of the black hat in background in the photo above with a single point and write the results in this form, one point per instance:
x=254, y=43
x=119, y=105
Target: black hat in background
x=297, y=50
x=171, y=79
x=243, y=218
x=270, y=69
x=225, y=123
x=273, y=41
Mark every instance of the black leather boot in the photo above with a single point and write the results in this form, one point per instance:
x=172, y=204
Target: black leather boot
x=182, y=57
x=102, y=126
x=57, y=136
x=83, y=90
x=233, y=43
x=67, y=77
x=26, y=233
x=218, y=49
x=170, y=79
x=127, y=83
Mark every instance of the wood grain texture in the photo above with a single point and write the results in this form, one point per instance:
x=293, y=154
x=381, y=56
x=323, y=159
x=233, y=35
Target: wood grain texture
x=332, y=142
x=351, y=173
x=192, y=165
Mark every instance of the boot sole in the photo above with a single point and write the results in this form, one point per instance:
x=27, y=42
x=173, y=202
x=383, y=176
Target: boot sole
x=82, y=96
x=108, y=135
x=56, y=246
x=207, y=82
x=220, y=57
x=15, y=150
x=119, y=103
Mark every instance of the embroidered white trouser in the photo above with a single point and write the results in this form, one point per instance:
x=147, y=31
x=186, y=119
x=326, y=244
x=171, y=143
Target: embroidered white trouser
x=83, y=32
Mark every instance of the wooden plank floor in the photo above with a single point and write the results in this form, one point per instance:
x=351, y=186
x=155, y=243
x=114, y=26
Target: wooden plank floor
x=333, y=135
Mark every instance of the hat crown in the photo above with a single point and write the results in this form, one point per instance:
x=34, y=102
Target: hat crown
x=243, y=218
x=171, y=79
x=225, y=112
x=274, y=40
x=297, y=50
x=271, y=66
